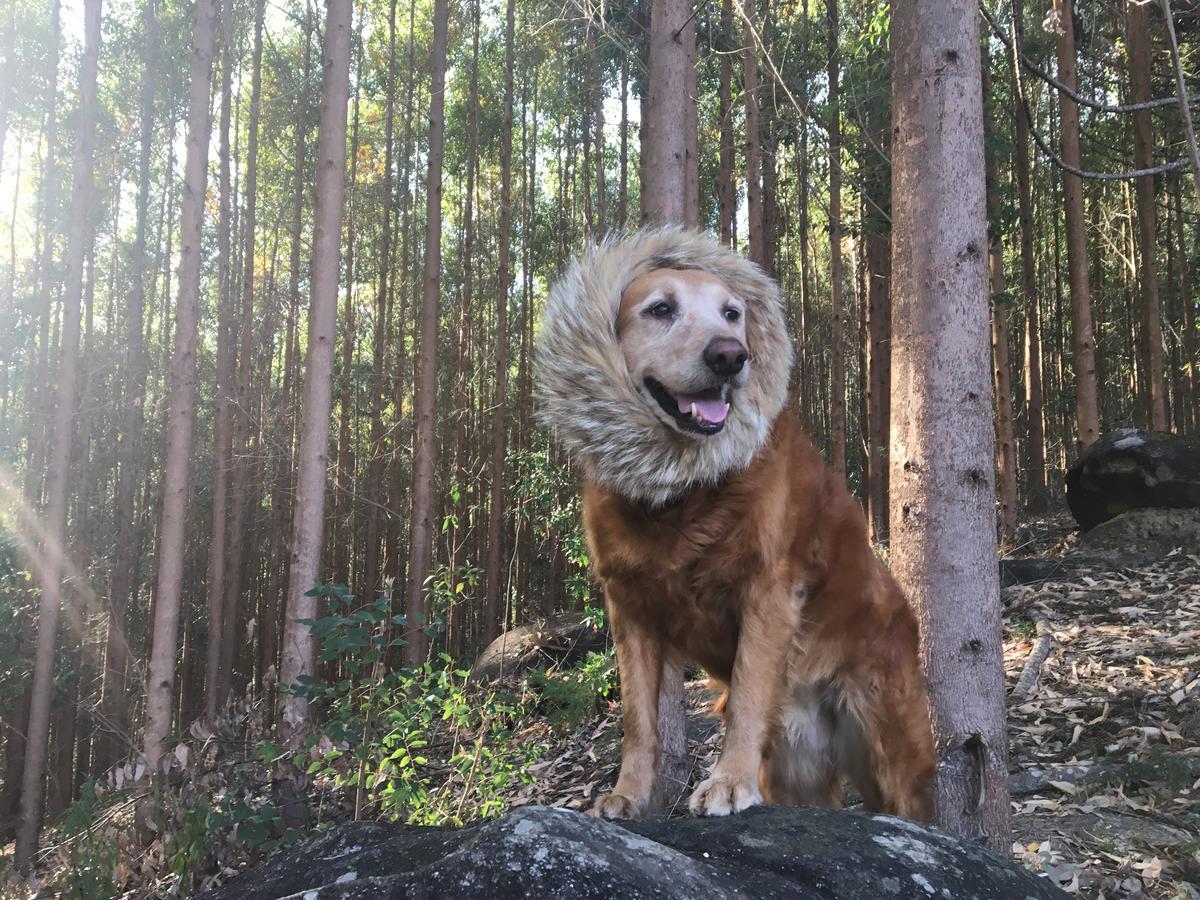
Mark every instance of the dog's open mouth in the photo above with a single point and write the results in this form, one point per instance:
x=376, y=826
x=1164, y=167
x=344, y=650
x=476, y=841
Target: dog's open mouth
x=701, y=412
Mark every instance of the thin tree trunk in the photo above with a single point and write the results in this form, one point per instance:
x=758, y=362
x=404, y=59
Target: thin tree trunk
x=299, y=645
x=425, y=419
x=726, y=192
x=942, y=518
x=117, y=738
x=1191, y=382
x=226, y=378
x=375, y=480
x=837, y=365
x=755, y=225
x=53, y=562
x=623, y=189
x=244, y=483
x=495, y=541
x=1137, y=24
x=1087, y=412
x=182, y=404
x=1006, y=455
x=1036, y=493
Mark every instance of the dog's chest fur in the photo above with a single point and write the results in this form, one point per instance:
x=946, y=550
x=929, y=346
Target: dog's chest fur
x=685, y=570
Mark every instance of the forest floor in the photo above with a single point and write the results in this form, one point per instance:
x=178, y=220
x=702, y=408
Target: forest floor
x=1104, y=753
x=1104, y=749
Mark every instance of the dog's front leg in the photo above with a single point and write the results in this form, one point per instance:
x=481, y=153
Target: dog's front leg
x=639, y=665
x=767, y=626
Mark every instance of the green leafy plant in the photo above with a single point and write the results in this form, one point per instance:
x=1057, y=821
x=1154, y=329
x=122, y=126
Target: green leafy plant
x=572, y=695
x=422, y=745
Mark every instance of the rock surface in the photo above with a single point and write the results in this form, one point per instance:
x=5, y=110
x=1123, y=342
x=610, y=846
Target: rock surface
x=543, y=852
x=560, y=641
x=1131, y=468
x=1141, y=536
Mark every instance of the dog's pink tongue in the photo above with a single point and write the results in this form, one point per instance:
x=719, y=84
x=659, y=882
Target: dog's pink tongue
x=710, y=409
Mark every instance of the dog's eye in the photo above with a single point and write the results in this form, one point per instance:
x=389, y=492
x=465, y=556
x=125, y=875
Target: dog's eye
x=732, y=315
x=661, y=310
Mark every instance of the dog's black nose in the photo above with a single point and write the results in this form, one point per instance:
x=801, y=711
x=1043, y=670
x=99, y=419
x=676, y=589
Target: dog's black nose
x=725, y=356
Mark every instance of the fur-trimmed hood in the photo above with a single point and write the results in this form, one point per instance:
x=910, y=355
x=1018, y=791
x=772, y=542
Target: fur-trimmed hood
x=585, y=392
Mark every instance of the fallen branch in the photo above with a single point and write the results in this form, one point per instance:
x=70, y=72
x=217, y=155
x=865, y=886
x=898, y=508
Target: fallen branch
x=1037, y=658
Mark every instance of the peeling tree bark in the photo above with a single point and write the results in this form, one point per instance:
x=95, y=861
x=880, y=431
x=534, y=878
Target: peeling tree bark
x=942, y=519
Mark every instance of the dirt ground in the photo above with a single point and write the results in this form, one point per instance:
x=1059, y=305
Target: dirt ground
x=1104, y=746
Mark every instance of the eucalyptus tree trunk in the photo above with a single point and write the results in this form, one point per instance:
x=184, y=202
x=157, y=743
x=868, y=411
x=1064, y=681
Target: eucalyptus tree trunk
x=115, y=740
x=299, y=651
x=181, y=410
x=664, y=182
x=1083, y=341
x=495, y=540
x=1006, y=446
x=225, y=387
x=837, y=364
x=755, y=226
x=726, y=191
x=420, y=556
x=1035, y=444
x=244, y=484
x=943, y=535
x=1137, y=31
x=53, y=561
x=664, y=189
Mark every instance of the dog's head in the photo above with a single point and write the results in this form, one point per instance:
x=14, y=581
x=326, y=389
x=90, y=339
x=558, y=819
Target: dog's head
x=662, y=362
x=683, y=335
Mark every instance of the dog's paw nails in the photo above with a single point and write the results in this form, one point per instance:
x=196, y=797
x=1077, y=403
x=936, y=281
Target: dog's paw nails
x=616, y=806
x=722, y=795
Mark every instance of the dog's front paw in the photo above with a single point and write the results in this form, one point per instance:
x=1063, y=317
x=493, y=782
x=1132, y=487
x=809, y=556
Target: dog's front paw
x=617, y=806
x=721, y=795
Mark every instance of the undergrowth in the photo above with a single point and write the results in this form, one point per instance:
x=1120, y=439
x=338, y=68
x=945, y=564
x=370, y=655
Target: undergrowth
x=425, y=745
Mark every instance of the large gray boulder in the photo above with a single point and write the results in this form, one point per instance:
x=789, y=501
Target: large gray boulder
x=1132, y=468
x=773, y=852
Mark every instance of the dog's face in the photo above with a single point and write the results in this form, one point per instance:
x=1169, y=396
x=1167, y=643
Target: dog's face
x=683, y=335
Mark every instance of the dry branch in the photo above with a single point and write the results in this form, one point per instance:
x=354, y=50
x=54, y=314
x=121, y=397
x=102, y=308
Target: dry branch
x=1037, y=658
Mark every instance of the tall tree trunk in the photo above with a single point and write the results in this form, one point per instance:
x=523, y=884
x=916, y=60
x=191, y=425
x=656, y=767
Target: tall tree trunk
x=1006, y=448
x=226, y=386
x=425, y=419
x=117, y=737
x=495, y=541
x=665, y=127
x=726, y=190
x=308, y=519
x=1087, y=411
x=1036, y=494
x=755, y=226
x=942, y=518
x=40, y=382
x=837, y=365
x=375, y=480
x=1137, y=25
x=595, y=26
x=53, y=553
x=623, y=188
x=664, y=188
x=182, y=404
x=1188, y=361
x=244, y=484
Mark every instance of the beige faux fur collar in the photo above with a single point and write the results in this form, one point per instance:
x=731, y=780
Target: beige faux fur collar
x=585, y=393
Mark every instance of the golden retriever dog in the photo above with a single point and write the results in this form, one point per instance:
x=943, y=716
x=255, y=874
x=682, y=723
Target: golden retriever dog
x=721, y=538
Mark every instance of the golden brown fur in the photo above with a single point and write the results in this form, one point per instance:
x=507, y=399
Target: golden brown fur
x=769, y=583
x=722, y=538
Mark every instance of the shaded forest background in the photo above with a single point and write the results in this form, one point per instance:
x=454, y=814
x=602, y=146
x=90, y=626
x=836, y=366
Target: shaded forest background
x=788, y=159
